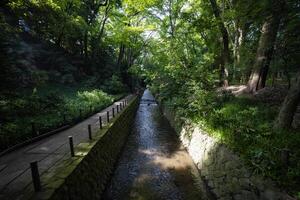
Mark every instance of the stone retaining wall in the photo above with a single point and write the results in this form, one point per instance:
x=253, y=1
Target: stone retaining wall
x=86, y=175
x=224, y=174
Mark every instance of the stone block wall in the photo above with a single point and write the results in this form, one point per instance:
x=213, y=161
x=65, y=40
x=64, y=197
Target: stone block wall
x=223, y=172
x=86, y=175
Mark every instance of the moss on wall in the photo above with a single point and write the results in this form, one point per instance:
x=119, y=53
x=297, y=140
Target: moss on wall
x=225, y=174
x=86, y=175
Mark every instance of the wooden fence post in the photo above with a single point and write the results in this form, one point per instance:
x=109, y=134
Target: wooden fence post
x=35, y=176
x=107, y=116
x=71, y=146
x=90, y=131
x=100, y=122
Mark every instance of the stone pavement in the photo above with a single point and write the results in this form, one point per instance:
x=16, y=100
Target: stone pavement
x=15, y=173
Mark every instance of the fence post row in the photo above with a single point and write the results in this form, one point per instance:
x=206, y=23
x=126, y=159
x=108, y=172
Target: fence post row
x=100, y=122
x=34, y=165
x=90, y=131
x=71, y=146
x=35, y=176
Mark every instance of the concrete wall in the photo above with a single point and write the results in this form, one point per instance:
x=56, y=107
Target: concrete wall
x=86, y=175
x=223, y=172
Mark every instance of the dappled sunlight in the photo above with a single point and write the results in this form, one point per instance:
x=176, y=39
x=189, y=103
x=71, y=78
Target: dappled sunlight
x=177, y=160
x=94, y=96
x=154, y=164
x=223, y=172
x=228, y=70
x=237, y=90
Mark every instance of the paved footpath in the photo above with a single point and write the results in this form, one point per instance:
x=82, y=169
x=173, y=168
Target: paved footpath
x=15, y=173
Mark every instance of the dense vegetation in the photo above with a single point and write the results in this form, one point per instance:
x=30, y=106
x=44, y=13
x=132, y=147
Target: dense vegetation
x=54, y=62
x=45, y=109
x=230, y=66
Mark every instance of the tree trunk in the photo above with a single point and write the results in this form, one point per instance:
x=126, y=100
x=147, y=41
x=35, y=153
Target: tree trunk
x=225, y=38
x=105, y=17
x=265, y=48
x=172, y=21
x=241, y=30
x=289, y=106
x=121, y=54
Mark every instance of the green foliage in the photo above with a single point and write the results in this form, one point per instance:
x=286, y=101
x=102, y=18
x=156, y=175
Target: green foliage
x=246, y=126
x=181, y=65
x=114, y=86
x=175, y=46
x=46, y=108
x=94, y=97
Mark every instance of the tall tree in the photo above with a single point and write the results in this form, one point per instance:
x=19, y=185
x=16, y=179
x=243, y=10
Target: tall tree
x=225, y=57
x=265, y=47
x=289, y=106
x=90, y=12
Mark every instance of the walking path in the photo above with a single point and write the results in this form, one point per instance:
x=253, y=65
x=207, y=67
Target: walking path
x=15, y=173
x=154, y=165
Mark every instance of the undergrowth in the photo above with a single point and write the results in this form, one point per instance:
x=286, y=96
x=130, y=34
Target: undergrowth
x=246, y=126
x=49, y=107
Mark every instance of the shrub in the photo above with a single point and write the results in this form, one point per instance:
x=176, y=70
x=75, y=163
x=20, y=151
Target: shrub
x=94, y=97
x=46, y=110
x=114, y=85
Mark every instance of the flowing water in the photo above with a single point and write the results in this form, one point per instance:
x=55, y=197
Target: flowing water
x=153, y=165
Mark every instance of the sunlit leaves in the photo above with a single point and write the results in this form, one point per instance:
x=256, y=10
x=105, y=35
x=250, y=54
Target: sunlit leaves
x=133, y=6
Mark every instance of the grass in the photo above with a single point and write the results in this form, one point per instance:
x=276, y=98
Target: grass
x=246, y=126
x=49, y=107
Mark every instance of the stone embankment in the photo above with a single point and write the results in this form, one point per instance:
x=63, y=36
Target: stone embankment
x=86, y=175
x=224, y=173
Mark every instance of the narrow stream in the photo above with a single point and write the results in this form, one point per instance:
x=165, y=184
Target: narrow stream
x=153, y=164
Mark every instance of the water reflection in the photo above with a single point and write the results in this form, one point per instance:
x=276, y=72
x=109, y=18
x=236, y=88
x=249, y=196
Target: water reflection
x=153, y=165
